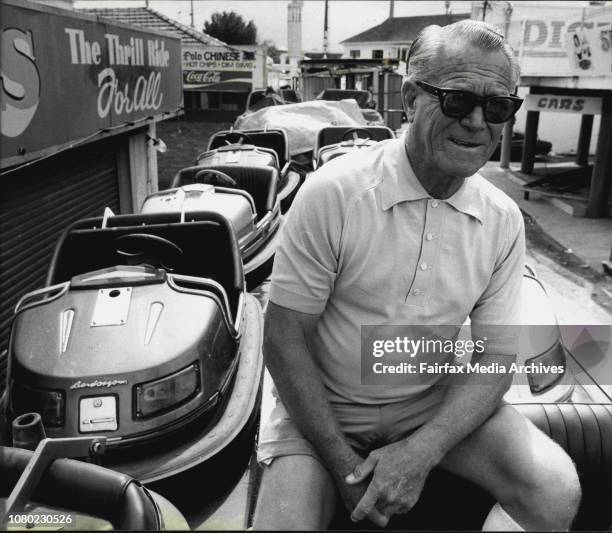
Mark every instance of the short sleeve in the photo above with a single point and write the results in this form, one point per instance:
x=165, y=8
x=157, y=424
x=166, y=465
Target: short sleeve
x=306, y=260
x=497, y=312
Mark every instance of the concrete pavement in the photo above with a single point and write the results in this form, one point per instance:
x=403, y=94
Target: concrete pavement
x=588, y=239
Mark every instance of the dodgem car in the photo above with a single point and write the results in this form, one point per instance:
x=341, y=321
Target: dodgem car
x=144, y=335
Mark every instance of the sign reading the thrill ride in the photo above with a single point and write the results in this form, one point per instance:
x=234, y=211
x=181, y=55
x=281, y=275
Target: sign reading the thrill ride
x=66, y=76
x=222, y=69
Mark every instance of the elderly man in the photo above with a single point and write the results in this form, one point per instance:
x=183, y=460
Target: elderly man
x=406, y=232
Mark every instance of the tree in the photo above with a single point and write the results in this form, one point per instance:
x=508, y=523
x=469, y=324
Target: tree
x=231, y=28
x=273, y=52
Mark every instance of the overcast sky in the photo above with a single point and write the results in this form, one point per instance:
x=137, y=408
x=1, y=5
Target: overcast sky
x=346, y=17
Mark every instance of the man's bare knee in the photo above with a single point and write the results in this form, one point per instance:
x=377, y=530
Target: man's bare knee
x=550, y=496
x=296, y=492
x=526, y=471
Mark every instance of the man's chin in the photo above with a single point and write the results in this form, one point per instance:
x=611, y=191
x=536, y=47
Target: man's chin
x=464, y=169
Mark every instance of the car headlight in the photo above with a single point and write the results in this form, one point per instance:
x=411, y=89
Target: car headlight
x=554, y=357
x=49, y=404
x=167, y=393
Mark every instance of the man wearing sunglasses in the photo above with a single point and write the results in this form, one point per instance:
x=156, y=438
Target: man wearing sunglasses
x=406, y=232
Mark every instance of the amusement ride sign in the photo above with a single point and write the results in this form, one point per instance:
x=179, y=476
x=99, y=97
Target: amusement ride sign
x=560, y=41
x=65, y=76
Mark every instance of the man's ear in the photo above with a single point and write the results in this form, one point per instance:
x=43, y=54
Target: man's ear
x=409, y=92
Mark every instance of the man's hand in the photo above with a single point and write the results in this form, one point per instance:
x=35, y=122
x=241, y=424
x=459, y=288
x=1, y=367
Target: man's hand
x=398, y=473
x=352, y=493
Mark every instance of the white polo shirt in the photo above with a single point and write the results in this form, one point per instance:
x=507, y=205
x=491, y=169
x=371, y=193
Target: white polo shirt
x=365, y=244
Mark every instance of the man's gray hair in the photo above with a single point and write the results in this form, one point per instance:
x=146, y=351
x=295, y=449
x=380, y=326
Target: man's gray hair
x=431, y=40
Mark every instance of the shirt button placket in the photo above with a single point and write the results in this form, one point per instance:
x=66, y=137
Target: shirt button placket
x=428, y=253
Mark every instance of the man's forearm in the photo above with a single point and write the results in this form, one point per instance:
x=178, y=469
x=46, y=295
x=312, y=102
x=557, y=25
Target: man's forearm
x=468, y=402
x=301, y=389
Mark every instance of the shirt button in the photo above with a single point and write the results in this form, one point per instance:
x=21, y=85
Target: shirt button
x=417, y=292
x=435, y=203
x=429, y=236
x=424, y=266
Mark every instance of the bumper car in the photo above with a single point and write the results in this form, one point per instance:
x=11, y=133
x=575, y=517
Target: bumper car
x=268, y=147
x=334, y=141
x=244, y=194
x=364, y=100
x=41, y=489
x=301, y=123
x=144, y=335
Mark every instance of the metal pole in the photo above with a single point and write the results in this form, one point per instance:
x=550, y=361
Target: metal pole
x=325, y=41
x=584, y=140
x=529, y=143
x=192, y=23
x=601, y=180
x=391, y=9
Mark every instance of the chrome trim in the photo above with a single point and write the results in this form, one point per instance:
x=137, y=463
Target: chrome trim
x=239, y=312
x=180, y=192
x=531, y=270
x=206, y=283
x=21, y=305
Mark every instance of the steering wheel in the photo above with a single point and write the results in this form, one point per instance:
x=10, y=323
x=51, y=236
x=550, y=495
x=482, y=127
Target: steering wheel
x=237, y=137
x=355, y=133
x=214, y=177
x=145, y=247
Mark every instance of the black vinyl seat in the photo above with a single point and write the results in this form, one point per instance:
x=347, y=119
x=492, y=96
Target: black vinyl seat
x=273, y=139
x=84, y=488
x=260, y=182
x=207, y=240
x=334, y=134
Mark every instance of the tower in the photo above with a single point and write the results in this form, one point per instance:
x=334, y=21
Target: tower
x=294, y=30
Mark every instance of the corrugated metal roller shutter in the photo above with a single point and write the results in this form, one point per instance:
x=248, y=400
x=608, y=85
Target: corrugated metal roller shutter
x=36, y=204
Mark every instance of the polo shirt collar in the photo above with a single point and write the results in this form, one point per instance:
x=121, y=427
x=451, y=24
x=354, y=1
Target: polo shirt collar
x=400, y=184
x=468, y=199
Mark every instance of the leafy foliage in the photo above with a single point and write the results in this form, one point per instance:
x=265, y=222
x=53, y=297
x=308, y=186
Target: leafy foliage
x=273, y=52
x=231, y=28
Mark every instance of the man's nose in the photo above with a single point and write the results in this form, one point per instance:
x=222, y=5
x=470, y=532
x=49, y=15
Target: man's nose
x=475, y=120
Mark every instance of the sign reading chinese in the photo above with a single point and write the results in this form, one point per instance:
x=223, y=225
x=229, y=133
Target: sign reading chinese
x=218, y=69
x=67, y=76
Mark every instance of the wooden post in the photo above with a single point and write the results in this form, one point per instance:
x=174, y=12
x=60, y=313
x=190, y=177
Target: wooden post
x=584, y=140
x=601, y=181
x=506, y=145
x=529, y=144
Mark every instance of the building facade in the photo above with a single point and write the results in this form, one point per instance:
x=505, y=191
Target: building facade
x=392, y=38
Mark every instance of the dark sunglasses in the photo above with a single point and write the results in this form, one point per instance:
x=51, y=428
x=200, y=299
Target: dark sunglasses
x=456, y=103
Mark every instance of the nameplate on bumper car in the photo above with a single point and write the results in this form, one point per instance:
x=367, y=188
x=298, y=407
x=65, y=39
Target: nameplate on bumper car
x=98, y=413
x=112, y=306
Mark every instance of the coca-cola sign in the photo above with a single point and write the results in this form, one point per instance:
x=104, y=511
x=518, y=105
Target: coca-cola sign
x=200, y=77
x=215, y=80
